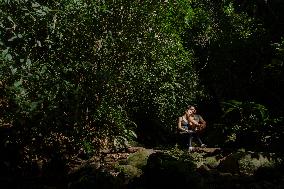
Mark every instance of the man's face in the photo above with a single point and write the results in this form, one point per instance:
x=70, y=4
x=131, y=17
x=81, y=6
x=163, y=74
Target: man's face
x=192, y=109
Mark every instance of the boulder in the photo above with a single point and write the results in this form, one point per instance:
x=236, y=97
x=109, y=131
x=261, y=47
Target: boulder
x=164, y=170
x=246, y=163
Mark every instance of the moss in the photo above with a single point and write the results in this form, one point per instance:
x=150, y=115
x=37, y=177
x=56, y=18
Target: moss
x=249, y=164
x=138, y=159
x=197, y=158
x=129, y=171
x=212, y=162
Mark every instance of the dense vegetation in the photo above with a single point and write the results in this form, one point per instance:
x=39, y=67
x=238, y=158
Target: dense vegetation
x=80, y=76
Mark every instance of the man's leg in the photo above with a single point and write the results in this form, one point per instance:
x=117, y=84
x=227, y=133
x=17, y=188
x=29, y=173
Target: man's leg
x=199, y=140
x=190, y=137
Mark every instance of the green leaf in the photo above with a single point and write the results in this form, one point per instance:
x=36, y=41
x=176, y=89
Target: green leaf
x=12, y=38
x=9, y=57
x=10, y=19
x=18, y=83
x=13, y=70
x=28, y=63
x=35, y=5
x=33, y=106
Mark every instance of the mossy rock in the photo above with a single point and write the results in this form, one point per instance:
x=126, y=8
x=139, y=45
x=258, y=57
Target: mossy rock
x=129, y=171
x=164, y=170
x=246, y=163
x=211, y=162
x=94, y=179
x=139, y=158
x=251, y=162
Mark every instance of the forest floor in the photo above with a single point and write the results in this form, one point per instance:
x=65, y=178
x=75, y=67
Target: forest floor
x=135, y=167
x=214, y=167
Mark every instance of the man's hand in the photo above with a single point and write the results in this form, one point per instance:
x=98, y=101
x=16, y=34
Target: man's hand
x=201, y=127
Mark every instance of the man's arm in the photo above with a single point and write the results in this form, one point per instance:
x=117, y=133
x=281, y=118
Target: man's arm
x=191, y=119
x=202, y=123
x=194, y=123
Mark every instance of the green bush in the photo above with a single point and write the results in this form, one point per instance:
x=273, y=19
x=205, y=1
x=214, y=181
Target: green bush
x=249, y=124
x=88, y=72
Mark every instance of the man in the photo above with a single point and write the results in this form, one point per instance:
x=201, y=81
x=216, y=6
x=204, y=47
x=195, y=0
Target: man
x=198, y=122
x=190, y=124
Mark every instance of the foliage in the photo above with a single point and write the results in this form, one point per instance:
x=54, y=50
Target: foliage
x=249, y=124
x=82, y=75
x=226, y=44
x=181, y=154
x=235, y=59
x=249, y=164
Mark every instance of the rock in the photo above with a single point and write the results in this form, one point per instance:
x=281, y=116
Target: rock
x=250, y=162
x=245, y=163
x=226, y=174
x=139, y=158
x=208, y=150
x=134, y=149
x=211, y=162
x=203, y=170
x=164, y=170
x=129, y=171
x=229, y=164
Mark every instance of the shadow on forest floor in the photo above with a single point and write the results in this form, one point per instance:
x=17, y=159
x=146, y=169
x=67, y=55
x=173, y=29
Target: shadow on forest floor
x=138, y=167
